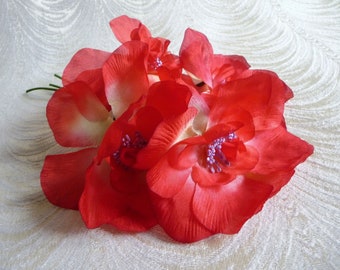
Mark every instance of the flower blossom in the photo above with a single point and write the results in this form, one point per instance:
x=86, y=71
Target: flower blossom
x=98, y=87
x=116, y=191
x=214, y=182
x=196, y=143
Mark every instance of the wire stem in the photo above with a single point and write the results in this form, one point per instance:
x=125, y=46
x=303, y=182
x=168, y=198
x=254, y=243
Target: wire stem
x=54, y=85
x=41, y=88
x=57, y=76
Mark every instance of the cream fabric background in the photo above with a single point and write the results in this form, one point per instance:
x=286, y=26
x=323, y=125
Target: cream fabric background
x=298, y=39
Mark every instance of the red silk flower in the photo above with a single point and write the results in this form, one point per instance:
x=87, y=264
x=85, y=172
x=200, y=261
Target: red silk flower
x=116, y=191
x=214, y=182
x=98, y=87
x=195, y=143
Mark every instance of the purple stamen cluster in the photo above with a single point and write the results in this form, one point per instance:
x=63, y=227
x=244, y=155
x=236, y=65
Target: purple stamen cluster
x=215, y=157
x=157, y=63
x=137, y=143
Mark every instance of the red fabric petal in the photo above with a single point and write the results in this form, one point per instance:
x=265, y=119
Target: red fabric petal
x=125, y=75
x=84, y=59
x=112, y=140
x=63, y=177
x=176, y=217
x=281, y=92
x=226, y=68
x=76, y=116
x=263, y=95
x=123, y=26
x=244, y=159
x=126, y=124
x=170, y=67
x=197, y=101
x=127, y=29
x=204, y=178
x=277, y=180
x=226, y=208
x=196, y=55
x=229, y=114
x=240, y=163
x=101, y=203
x=221, y=130
x=158, y=46
x=94, y=79
x=167, y=180
x=279, y=150
x=164, y=136
x=163, y=95
x=141, y=33
x=126, y=181
x=146, y=120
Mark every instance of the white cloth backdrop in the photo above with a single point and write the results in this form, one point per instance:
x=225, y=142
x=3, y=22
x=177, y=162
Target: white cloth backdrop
x=298, y=39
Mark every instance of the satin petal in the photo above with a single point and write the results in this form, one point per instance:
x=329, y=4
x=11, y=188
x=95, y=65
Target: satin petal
x=226, y=68
x=123, y=26
x=84, y=59
x=101, y=203
x=176, y=217
x=225, y=113
x=94, y=79
x=76, y=116
x=263, y=95
x=279, y=150
x=277, y=179
x=224, y=209
x=125, y=76
x=164, y=136
x=163, y=95
x=196, y=55
x=165, y=179
x=63, y=177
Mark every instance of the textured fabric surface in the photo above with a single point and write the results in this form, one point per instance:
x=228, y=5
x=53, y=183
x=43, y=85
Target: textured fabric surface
x=299, y=40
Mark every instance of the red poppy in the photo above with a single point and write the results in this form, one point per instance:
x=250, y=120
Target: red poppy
x=116, y=192
x=213, y=183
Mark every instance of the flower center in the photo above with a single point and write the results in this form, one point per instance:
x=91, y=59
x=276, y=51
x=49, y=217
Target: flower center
x=156, y=64
x=215, y=157
x=125, y=156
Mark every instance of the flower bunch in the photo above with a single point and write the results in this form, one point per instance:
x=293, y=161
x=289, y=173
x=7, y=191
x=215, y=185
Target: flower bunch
x=194, y=142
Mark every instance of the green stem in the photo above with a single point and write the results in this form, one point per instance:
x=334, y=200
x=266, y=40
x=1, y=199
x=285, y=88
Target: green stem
x=41, y=88
x=54, y=85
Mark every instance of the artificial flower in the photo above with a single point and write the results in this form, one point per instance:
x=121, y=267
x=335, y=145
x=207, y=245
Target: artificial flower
x=98, y=87
x=140, y=61
x=77, y=118
x=116, y=191
x=78, y=114
x=160, y=61
x=214, y=182
x=209, y=70
x=196, y=143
